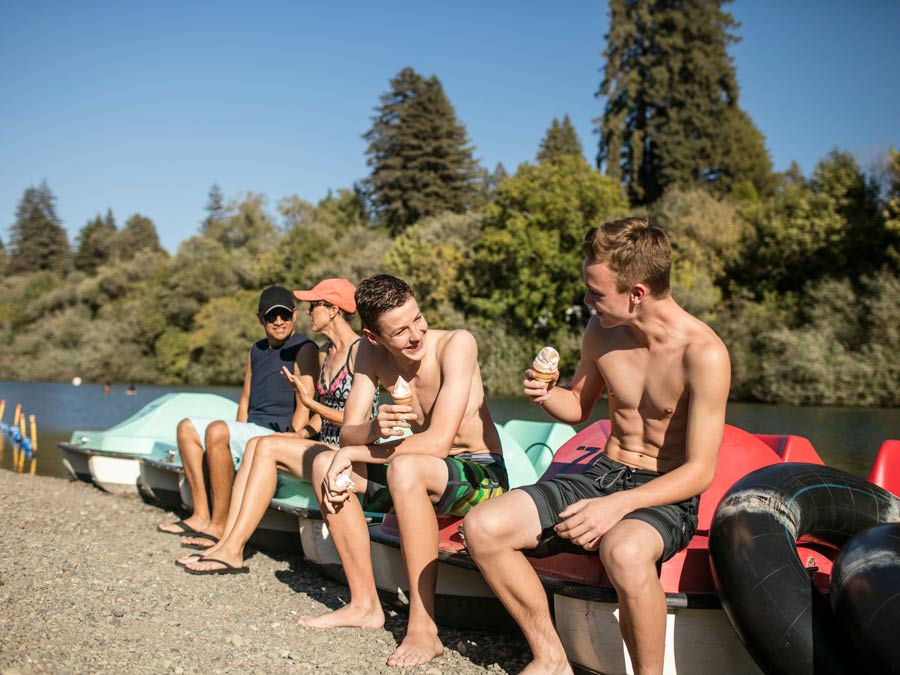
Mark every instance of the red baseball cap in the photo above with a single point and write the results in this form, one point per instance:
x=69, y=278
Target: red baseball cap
x=337, y=292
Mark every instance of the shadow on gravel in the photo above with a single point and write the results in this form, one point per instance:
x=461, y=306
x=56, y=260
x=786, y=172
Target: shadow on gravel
x=483, y=648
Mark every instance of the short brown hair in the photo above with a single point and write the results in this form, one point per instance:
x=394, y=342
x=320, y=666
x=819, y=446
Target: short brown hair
x=637, y=252
x=379, y=294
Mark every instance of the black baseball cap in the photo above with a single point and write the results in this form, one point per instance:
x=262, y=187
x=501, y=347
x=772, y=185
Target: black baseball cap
x=275, y=297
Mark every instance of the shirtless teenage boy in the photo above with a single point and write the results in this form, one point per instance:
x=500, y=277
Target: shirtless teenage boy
x=667, y=376
x=451, y=462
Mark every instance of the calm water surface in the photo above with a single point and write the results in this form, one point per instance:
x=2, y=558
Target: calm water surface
x=846, y=438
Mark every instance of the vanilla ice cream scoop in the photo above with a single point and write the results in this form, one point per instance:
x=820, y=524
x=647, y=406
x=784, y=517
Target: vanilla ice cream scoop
x=402, y=394
x=545, y=364
x=344, y=482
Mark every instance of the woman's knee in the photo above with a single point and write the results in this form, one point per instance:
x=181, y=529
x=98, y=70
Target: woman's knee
x=320, y=465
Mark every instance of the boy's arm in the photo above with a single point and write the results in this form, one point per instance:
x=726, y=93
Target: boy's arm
x=573, y=404
x=358, y=428
x=708, y=373
x=457, y=363
x=244, y=401
x=306, y=370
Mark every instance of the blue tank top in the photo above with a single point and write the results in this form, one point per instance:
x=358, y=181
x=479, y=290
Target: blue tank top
x=272, y=400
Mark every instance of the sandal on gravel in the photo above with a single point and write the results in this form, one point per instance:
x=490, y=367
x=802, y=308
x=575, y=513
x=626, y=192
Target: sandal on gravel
x=197, y=557
x=225, y=569
x=201, y=547
x=186, y=530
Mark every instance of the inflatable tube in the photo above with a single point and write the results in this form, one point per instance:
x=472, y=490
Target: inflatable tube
x=785, y=624
x=865, y=595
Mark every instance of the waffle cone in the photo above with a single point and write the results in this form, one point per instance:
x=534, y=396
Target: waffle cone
x=403, y=400
x=544, y=377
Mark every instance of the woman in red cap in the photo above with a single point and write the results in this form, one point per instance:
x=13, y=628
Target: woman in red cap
x=331, y=306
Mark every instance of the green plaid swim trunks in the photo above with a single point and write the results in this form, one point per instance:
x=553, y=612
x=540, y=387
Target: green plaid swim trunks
x=471, y=479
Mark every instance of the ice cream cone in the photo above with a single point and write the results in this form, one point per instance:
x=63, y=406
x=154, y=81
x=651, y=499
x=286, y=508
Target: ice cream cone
x=403, y=400
x=544, y=377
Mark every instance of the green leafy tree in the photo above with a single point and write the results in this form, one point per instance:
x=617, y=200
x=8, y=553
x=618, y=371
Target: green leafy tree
x=95, y=244
x=139, y=233
x=37, y=239
x=419, y=153
x=526, y=267
x=671, y=113
x=560, y=140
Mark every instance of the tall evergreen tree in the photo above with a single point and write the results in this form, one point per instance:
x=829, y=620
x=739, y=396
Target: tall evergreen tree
x=419, y=152
x=95, y=244
x=37, y=238
x=671, y=114
x=560, y=140
x=139, y=233
x=215, y=207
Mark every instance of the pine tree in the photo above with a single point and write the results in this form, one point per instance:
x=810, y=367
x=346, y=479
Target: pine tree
x=671, y=114
x=421, y=161
x=95, y=244
x=215, y=207
x=37, y=238
x=560, y=140
x=139, y=233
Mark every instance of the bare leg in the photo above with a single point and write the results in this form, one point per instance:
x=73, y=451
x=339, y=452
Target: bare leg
x=629, y=552
x=496, y=533
x=259, y=487
x=414, y=481
x=351, y=539
x=221, y=475
x=191, y=451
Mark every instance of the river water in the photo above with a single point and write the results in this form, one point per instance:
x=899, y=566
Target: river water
x=846, y=438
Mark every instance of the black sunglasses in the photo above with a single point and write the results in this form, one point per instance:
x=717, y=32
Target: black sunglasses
x=317, y=303
x=281, y=313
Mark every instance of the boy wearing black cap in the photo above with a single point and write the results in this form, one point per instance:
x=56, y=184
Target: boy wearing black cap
x=267, y=405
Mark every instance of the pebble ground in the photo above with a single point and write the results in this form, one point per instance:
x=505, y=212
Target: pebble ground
x=88, y=586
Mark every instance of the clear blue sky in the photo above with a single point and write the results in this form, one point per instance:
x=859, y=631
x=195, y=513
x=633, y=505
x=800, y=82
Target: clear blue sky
x=142, y=106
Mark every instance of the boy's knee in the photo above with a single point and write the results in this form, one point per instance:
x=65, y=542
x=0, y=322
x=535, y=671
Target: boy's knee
x=625, y=561
x=217, y=434
x=320, y=465
x=403, y=473
x=484, y=529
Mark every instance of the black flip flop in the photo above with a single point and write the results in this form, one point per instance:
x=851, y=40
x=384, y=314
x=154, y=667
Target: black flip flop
x=201, y=535
x=225, y=569
x=195, y=556
x=186, y=530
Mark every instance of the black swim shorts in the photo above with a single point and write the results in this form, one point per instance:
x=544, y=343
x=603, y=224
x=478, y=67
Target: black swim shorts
x=676, y=523
x=471, y=479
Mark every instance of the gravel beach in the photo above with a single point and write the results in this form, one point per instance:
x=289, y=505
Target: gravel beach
x=88, y=586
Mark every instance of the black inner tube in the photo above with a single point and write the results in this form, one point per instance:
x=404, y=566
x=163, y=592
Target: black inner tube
x=784, y=622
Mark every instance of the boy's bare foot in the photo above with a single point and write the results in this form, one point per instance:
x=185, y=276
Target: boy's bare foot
x=535, y=668
x=349, y=616
x=416, y=649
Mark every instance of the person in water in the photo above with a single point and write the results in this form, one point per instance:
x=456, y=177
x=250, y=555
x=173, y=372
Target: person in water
x=331, y=308
x=451, y=462
x=667, y=377
x=268, y=404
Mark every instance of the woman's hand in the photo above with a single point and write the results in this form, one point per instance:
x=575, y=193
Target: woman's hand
x=306, y=395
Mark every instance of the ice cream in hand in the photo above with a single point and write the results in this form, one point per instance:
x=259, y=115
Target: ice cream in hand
x=344, y=482
x=545, y=364
x=402, y=394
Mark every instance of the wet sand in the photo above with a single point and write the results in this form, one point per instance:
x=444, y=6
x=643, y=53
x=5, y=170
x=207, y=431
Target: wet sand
x=88, y=586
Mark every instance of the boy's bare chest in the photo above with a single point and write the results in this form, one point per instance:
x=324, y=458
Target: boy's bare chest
x=638, y=379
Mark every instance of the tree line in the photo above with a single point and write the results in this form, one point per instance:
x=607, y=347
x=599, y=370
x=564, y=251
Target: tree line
x=798, y=274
